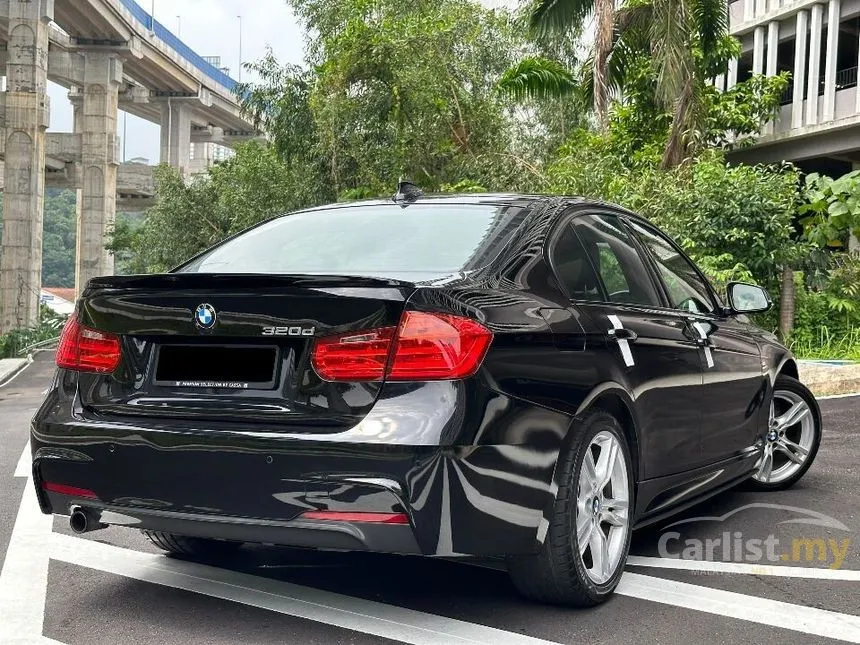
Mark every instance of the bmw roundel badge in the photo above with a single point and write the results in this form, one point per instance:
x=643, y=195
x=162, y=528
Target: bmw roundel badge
x=204, y=316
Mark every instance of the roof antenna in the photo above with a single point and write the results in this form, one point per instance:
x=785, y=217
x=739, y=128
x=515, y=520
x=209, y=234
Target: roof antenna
x=407, y=193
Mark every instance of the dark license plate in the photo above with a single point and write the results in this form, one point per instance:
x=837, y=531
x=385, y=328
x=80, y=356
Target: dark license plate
x=216, y=366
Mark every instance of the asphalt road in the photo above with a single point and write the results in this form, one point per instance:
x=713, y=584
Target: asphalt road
x=112, y=587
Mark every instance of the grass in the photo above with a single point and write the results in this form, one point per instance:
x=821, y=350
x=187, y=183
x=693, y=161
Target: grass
x=828, y=346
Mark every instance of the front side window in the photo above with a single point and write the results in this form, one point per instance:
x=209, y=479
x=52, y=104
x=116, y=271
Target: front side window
x=623, y=274
x=687, y=290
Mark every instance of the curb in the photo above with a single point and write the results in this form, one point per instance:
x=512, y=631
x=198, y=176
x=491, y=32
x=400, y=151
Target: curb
x=11, y=375
x=830, y=380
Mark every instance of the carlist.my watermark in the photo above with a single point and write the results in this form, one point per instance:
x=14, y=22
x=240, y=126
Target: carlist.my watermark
x=734, y=546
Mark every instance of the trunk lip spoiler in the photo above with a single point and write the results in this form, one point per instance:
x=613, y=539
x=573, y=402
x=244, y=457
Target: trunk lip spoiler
x=215, y=280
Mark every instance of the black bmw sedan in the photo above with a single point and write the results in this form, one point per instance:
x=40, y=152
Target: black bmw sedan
x=504, y=376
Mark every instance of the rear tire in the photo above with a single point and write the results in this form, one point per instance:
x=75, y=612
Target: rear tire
x=588, y=510
x=192, y=547
x=793, y=437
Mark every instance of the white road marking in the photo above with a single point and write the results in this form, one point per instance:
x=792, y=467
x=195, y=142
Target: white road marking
x=809, y=573
x=808, y=620
x=24, y=578
x=366, y=616
x=24, y=463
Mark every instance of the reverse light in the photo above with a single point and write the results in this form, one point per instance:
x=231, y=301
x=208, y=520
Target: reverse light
x=344, y=516
x=72, y=491
x=423, y=347
x=84, y=349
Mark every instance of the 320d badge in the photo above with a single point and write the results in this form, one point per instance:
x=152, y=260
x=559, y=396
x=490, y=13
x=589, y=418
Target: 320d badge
x=491, y=375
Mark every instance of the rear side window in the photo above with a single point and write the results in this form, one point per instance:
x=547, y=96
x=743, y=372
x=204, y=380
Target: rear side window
x=573, y=268
x=422, y=240
x=622, y=271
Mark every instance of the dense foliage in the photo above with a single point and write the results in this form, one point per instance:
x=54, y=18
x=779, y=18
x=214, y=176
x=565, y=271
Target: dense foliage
x=19, y=342
x=456, y=98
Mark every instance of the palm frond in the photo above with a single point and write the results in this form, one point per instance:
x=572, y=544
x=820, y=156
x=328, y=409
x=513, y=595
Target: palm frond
x=537, y=78
x=670, y=37
x=634, y=20
x=558, y=16
x=712, y=23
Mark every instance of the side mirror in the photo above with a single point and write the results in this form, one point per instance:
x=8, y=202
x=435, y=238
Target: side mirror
x=748, y=298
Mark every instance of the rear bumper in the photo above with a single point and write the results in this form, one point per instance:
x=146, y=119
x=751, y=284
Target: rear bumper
x=462, y=497
x=333, y=535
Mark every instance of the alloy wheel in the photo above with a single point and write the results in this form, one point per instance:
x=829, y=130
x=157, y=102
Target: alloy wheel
x=789, y=439
x=602, y=507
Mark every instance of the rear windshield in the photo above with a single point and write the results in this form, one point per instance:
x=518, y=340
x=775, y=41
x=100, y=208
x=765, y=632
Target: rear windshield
x=421, y=240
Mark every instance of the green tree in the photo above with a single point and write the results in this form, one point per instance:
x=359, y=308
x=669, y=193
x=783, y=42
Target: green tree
x=408, y=89
x=58, y=238
x=191, y=216
x=562, y=17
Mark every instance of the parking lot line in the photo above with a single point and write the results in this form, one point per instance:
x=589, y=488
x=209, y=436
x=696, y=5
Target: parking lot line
x=809, y=620
x=365, y=616
x=811, y=573
x=23, y=467
x=24, y=577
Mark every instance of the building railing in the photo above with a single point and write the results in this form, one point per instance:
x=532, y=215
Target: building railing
x=178, y=46
x=845, y=79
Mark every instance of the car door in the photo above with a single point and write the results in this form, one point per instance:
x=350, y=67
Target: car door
x=632, y=338
x=734, y=383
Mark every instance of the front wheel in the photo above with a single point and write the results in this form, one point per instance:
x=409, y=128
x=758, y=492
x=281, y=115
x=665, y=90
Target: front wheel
x=792, y=439
x=585, y=549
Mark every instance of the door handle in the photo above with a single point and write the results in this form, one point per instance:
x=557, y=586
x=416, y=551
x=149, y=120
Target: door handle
x=702, y=340
x=623, y=334
x=619, y=334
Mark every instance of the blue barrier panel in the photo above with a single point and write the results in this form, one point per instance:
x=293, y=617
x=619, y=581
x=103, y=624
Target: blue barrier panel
x=178, y=46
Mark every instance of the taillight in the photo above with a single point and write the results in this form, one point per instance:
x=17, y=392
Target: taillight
x=424, y=347
x=84, y=349
x=360, y=356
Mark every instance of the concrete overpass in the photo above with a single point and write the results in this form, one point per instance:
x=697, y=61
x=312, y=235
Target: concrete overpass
x=111, y=54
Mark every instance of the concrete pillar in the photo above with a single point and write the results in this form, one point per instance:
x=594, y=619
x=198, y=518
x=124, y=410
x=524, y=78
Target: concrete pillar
x=771, y=60
x=857, y=103
x=176, y=135
x=96, y=122
x=772, y=47
x=27, y=118
x=732, y=78
x=720, y=82
x=758, y=50
x=831, y=60
x=799, y=76
x=815, y=24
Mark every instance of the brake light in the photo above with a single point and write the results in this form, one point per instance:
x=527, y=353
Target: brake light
x=84, y=349
x=425, y=346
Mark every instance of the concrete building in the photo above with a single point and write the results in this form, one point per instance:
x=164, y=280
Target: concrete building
x=112, y=55
x=818, y=42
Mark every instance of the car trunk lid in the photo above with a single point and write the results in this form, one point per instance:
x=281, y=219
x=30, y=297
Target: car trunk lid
x=233, y=347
